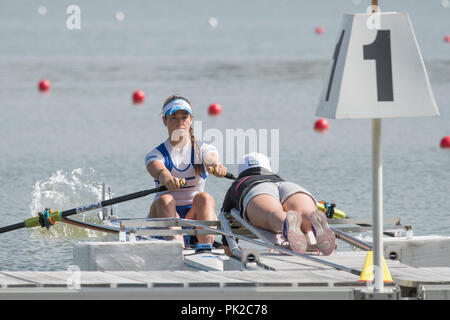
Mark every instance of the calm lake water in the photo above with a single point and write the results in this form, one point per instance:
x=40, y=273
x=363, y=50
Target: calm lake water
x=262, y=62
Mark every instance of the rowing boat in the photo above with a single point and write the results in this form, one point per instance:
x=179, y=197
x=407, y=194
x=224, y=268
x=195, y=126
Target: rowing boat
x=231, y=226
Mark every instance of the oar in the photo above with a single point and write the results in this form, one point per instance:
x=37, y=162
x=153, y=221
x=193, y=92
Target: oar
x=227, y=175
x=49, y=217
x=230, y=176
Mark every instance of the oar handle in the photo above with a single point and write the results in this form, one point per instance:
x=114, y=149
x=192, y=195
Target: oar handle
x=227, y=175
x=230, y=176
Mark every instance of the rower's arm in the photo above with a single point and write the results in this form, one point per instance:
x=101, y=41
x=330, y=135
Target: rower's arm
x=212, y=163
x=211, y=159
x=156, y=168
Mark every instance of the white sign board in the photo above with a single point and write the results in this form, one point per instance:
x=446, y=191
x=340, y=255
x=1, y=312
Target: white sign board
x=376, y=72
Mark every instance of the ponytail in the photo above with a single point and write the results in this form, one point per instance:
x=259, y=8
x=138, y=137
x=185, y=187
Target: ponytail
x=197, y=161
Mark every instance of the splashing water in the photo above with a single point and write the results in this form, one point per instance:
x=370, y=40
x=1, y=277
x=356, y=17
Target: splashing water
x=67, y=190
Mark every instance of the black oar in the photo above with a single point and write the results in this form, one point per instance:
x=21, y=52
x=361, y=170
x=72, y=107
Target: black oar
x=227, y=175
x=230, y=176
x=49, y=217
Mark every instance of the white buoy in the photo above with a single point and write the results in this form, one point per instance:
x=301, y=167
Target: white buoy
x=120, y=16
x=445, y=3
x=42, y=10
x=213, y=22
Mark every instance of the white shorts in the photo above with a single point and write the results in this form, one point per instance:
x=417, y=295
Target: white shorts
x=279, y=190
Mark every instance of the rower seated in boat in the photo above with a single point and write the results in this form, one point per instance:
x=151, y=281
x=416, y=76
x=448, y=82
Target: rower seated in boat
x=269, y=202
x=182, y=164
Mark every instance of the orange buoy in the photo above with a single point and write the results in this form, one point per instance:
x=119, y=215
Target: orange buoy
x=138, y=96
x=44, y=85
x=320, y=30
x=215, y=109
x=445, y=142
x=447, y=38
x=321, y=125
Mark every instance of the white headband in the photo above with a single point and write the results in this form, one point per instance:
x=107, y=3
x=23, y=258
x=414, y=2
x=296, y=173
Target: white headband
x=175, y=105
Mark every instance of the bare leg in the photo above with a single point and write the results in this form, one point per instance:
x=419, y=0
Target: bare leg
x=165, y=207
x=203, y=209
x=266, y=212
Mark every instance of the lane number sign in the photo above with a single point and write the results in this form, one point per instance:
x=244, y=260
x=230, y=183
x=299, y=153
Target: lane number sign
x=376, y=73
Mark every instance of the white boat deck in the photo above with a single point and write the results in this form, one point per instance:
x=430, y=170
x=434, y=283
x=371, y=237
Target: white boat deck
x=282, y=277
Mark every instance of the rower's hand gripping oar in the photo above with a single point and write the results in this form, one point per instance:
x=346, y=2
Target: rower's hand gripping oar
x=49, y=217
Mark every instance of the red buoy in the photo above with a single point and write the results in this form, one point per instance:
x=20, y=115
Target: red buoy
x=445, y=142
x=447, y=38
x=138, y=96
x=320, y=30
x=44, y=85
x=215, y=109
x=321, y=125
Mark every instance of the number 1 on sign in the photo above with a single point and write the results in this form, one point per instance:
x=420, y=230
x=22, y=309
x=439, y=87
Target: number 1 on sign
x=380, y=51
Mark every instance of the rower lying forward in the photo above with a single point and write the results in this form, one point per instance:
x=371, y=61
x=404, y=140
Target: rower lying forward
x=267, y=201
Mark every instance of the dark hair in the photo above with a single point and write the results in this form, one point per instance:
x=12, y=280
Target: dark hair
x=197, y=163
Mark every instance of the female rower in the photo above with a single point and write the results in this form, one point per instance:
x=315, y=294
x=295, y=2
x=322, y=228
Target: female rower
x=182, y=164
x=268, y=202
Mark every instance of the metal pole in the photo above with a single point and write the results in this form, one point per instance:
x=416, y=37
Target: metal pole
x=246, y=255
x=104, y=210
x=377, y=205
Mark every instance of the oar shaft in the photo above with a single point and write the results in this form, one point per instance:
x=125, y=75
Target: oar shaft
x=351, y=240
x=110, y=202
x=12, y=227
